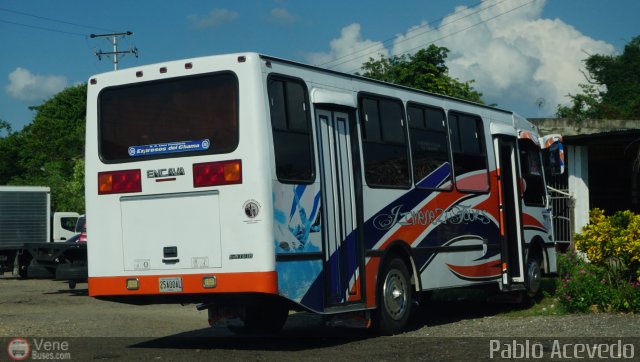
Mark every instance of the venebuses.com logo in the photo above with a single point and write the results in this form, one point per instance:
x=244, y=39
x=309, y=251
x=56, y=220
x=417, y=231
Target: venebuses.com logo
x=20, y=349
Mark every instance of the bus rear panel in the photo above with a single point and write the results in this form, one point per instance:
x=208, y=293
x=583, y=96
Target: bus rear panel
x=178, y=203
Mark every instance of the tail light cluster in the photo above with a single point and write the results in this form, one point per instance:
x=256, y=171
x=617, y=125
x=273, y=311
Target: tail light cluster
x=217, y=173
x=204, y=175
x=119, y=182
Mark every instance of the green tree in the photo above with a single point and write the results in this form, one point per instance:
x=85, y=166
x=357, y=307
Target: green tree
x=426, y=70
x=613, y=87
x=50, y=149
x=8, y=152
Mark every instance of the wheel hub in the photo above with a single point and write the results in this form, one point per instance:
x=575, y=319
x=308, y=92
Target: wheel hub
x=395, y=295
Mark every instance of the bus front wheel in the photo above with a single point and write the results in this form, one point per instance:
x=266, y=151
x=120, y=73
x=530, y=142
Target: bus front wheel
x=533, y=277
x=394, y=297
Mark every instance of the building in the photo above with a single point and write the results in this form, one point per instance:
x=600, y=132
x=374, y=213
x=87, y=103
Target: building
x=602, y=159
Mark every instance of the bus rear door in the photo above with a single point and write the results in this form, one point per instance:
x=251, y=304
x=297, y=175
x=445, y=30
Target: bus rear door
x=342, y=247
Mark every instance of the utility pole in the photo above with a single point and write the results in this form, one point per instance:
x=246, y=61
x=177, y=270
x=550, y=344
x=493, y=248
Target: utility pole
x=115, y=51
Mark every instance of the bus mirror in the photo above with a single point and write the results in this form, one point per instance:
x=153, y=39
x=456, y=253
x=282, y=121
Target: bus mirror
x=556, y=159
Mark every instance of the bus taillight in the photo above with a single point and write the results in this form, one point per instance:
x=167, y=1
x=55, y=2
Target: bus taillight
x=119, y=182
x=217, y=173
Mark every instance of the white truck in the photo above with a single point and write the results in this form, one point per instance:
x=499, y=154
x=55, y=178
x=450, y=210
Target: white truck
x=32, y=241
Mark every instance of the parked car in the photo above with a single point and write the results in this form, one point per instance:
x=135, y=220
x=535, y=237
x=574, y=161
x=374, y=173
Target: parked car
x=80, y=231
x=81, y=227
x=74, y=268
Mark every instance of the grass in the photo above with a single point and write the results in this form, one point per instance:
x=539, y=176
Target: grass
x=544, y=305
x=478, y=302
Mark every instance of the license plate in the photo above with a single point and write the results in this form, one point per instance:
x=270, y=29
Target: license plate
x=170, y=285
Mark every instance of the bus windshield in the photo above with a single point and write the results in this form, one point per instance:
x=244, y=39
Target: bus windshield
x=169, y=118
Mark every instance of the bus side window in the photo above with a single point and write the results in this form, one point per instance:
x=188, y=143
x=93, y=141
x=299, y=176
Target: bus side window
x=469, y=153
x=290, y=122
x=384, y=143
x=429, y=146
x=534, y=192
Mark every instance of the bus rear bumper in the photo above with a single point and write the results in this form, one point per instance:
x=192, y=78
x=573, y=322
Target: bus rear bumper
x=175, y=286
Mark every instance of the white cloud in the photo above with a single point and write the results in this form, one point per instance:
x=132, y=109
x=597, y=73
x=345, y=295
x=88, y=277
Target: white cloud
x=515, y=56
x=281, y=16
x=214, y=18
x=349, y=51
x=24, y=85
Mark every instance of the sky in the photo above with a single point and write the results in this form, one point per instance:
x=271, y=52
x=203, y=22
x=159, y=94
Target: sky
x=523, y=55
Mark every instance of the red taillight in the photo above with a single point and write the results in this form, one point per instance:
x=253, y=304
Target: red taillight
x=119, y=182
x=217, y=173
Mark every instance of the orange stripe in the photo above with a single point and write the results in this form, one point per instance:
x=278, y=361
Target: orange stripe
x=259, y=282
x=372, y=280
x=500, y=201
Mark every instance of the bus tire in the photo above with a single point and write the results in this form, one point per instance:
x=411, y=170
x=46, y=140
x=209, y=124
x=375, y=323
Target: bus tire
x=267, y=317
x=533, y=277
x=394, y=298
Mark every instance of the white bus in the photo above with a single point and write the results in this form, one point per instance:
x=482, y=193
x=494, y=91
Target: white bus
x=254, y=186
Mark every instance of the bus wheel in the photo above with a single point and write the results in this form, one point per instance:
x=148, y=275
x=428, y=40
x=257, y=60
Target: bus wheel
x=394, y=298
x=533, y=277
x=267, y=317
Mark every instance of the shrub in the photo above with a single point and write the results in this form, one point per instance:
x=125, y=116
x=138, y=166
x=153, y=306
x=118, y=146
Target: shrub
x=608, y=278
x=587, y=287
x=612, y=242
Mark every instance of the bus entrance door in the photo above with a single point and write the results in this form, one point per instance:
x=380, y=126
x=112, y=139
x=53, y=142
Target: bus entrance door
x=511, y=230
x=342, y=251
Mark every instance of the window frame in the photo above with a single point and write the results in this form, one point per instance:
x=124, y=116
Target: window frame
x=311, y=140
x=361, y=120
x=538, y=152
x=483, y=147
x=208, y=152
x=423, y=107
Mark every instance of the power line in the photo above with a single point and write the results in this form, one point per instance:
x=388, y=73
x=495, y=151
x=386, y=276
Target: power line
x=54, y=20
x=43, y=28
x=459, y=31
x=393, y=38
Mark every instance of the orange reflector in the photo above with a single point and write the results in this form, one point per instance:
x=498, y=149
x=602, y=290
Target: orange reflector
x=209, y=282
x=133, y=284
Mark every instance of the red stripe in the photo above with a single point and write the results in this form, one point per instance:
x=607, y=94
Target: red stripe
x=529, y=220
x=490, y=269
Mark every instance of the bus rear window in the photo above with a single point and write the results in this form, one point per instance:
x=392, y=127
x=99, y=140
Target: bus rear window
x=172, y=118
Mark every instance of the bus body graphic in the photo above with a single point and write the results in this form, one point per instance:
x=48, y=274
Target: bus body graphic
x=254, y=185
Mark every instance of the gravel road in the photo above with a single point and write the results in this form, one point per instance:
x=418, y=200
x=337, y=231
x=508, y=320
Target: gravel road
x=106, y=330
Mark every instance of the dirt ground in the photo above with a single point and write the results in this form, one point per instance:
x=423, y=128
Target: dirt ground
x=95, y=329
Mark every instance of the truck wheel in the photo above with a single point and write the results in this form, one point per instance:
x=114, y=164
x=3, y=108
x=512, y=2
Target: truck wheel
x=38, y=271
x=394, y=298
